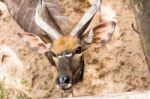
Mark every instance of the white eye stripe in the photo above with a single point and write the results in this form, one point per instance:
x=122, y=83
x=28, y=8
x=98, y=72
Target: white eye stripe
x=60, y=56
x=67, y=55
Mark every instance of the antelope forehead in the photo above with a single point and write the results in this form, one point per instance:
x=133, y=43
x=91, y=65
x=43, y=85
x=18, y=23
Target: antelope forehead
x=65, y=43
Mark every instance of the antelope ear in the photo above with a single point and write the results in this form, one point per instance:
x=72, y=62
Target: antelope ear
x=101, y=33
x=34, y=42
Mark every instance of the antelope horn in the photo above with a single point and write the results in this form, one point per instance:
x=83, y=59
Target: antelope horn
x=86, y=19
x=52, y=33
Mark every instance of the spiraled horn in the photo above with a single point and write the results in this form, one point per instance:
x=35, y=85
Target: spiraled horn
x=86, y=19
x=52, y=33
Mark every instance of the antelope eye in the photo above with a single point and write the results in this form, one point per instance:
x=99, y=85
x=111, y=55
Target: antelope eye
x=78, y=50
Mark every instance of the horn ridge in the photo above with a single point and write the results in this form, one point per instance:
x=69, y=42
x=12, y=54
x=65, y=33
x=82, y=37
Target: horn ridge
x=52, y=33
x=86, y=19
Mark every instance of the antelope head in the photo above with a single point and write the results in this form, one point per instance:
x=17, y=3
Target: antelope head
x=66, y=51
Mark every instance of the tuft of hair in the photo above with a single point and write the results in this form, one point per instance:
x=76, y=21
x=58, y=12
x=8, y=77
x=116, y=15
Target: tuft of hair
x=108, y=14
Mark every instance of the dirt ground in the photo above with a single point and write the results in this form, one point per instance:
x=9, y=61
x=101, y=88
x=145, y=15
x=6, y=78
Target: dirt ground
x=119, y=66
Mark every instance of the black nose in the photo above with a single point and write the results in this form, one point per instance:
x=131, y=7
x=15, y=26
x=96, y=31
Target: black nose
x=63, y=79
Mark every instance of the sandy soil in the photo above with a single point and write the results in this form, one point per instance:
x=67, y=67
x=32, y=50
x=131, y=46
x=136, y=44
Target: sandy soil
x=119, y=66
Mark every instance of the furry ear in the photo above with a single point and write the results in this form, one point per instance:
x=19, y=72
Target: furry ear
x=101, y=33
x=34, y=42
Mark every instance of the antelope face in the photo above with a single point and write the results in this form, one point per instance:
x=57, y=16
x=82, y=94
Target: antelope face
x=66, y=50
x=67, y=56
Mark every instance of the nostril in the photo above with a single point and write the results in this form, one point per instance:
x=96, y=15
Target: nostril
x=63, y=79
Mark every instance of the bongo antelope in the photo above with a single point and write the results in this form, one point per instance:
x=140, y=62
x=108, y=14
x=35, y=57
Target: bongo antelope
x=42, y=19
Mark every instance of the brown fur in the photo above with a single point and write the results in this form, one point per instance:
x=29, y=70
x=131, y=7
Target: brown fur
x=23, y=12
x=65, y=43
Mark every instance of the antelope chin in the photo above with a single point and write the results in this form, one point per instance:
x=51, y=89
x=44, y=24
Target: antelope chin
x=65, y=87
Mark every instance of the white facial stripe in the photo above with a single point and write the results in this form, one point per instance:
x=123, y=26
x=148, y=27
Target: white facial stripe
x=60, y=56
x=67, y=55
